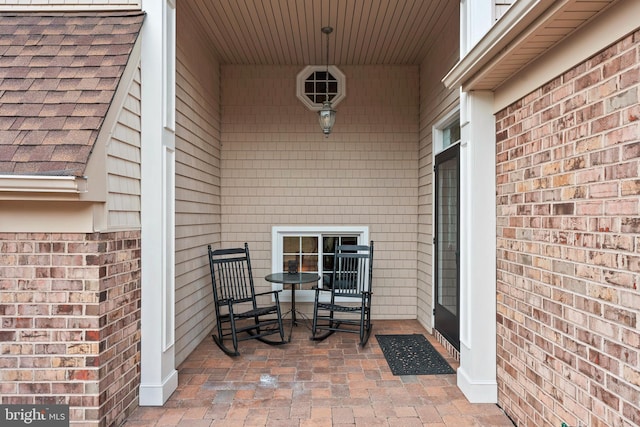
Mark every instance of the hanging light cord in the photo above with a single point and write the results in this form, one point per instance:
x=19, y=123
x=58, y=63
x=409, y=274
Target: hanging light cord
x=326, y=87
x=326, y=114
x=327, y=30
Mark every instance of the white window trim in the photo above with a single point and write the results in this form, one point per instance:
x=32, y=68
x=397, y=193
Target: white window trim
x=438, y=131
x=277, y=234
x=302, y=78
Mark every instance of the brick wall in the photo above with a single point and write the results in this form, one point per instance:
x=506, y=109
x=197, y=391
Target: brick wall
x=569, y=246
x=70, y=315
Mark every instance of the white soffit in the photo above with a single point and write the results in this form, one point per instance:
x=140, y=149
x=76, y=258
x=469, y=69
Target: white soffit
x=525, y=32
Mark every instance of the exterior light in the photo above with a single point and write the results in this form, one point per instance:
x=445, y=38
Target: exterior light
x=327, y=116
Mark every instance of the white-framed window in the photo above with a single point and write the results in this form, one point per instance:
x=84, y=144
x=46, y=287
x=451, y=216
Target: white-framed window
x=312, y=247
x=314, y=85
x=446, y=132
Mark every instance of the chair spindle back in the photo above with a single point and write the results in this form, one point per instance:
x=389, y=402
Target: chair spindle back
x=232, y=277
x=352, y=270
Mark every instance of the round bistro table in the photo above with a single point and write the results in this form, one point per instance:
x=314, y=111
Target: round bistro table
x=292, y=279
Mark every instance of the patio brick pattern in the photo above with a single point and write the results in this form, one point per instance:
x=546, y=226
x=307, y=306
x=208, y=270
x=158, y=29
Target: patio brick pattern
x=307, y=383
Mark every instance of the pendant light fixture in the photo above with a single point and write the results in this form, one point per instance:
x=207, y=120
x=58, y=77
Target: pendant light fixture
x=327, y=115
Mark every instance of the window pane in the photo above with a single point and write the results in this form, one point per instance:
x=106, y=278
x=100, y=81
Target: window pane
x=327, y=262
x=291, y=244
x=451, y=134
x=321, y=87
x=326, y=280
x=349, y=240
x=310, y=245
x=328, y=248
x=447, y=232
x=309, y=263
x=287, y=258
x=308, y=87
x=328, y=244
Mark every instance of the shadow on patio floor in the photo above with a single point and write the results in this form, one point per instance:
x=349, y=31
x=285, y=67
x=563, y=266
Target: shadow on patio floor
x=307, y=383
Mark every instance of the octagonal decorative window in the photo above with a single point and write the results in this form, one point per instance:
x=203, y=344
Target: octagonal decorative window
x=313, y=85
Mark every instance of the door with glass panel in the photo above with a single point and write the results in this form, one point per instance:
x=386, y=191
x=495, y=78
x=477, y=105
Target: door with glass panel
x=446, y=242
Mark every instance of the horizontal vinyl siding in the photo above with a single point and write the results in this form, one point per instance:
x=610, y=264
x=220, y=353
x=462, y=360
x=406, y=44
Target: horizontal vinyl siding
x=435, y=101
x=123, y=164
x=197, y=184
x=279, y=169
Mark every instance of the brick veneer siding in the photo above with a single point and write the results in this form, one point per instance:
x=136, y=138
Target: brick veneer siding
x=70, y=313
x=568, y=239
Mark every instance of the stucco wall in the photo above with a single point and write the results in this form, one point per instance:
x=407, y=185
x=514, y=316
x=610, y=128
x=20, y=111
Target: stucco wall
x=279, y=169
x=568, y=243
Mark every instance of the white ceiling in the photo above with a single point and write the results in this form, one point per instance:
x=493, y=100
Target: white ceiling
x=288, y=32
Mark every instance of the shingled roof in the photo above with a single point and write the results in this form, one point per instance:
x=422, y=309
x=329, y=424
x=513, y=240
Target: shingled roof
x=58, y=75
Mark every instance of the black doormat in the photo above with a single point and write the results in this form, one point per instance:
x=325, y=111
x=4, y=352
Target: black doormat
x=412, y=355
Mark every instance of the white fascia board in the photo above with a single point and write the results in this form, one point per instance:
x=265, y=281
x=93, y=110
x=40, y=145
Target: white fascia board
x=77, y=7
x=43, y=184
x=518, y=17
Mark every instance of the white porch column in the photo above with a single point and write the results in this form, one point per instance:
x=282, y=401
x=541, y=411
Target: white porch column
x=477, y=371
x=159, y=377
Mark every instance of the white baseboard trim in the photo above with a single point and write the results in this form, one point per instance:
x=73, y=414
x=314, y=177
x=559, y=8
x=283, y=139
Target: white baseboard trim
x=157, y=394
x=477, y=391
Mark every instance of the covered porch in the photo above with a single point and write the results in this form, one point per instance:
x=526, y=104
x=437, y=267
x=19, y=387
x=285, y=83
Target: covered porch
x=309, y=383
x=244, y=160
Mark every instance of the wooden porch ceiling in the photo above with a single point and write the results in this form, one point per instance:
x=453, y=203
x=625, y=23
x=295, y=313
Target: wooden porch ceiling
x=288, y=32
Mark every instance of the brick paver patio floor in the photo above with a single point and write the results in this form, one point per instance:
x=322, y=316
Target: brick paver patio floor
x=307, y=383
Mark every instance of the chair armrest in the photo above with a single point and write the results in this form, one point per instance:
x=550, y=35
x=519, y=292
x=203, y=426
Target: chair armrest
x=269, y=292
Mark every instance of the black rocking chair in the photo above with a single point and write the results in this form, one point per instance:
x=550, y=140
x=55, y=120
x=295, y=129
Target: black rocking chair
x=237, y=312
x=345, y=305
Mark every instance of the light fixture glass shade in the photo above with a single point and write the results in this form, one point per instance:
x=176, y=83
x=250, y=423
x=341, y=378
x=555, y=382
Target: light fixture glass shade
x=327, y=117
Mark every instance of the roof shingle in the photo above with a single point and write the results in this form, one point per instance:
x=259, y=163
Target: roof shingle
x=58, y=75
